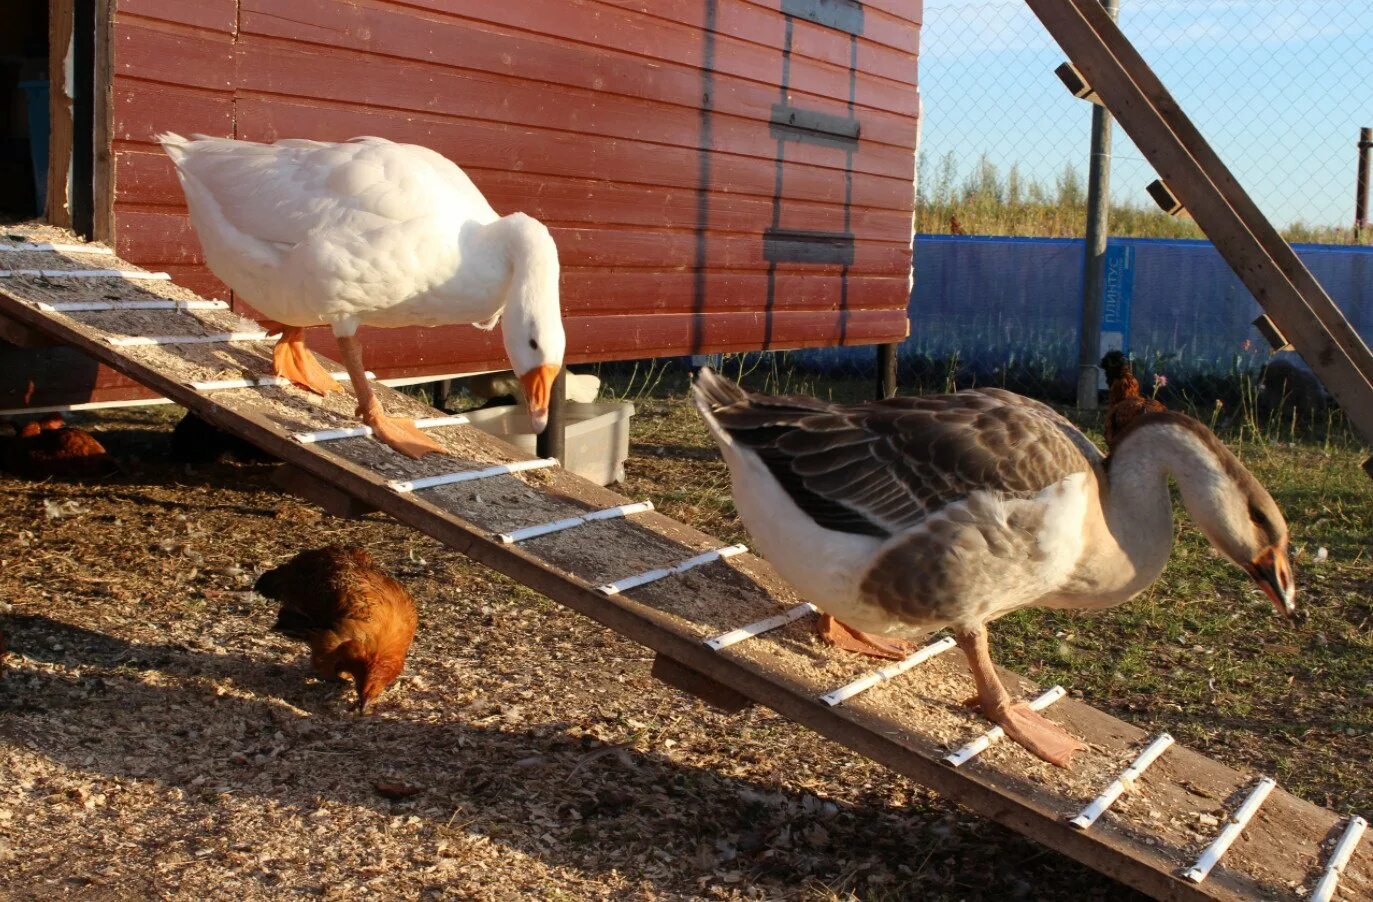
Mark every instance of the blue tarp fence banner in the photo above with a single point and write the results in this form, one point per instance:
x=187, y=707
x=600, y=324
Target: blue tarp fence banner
x=1007, y=303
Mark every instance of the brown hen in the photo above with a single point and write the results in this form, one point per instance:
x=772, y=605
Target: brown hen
x=48, y=447
x=356, y=619
x=1126, y=403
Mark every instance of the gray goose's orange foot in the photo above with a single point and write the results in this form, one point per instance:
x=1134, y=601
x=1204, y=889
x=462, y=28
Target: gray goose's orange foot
x=845, y=637
x=1039, y=735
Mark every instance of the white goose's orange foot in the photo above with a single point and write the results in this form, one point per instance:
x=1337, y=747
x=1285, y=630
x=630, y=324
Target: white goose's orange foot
x=847, y=638
x=293, y=361
x=1041, y=736
x=402, y=435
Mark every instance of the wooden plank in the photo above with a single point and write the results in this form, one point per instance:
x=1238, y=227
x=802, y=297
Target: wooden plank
x=54, y=375
x=886, y=49
x=1288, y=836
x=291, y=70
x=21, y=336
x=212, y=15
x=693, y=682
x=1183, y=159
x=149, y=50
x=102, y=209
x=60, y=112
x=320, y=492
x=587, y=23
x=165, y=235
x=145, y=177
x=660, y=61
x=493, y=145
x=158, y=237
x=143, y=109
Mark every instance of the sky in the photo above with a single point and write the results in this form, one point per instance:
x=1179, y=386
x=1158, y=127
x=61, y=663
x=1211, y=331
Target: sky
x=1279, y=87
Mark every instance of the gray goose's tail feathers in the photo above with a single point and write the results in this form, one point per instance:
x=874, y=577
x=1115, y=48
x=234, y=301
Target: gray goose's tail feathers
x=712, y=392
x=715, y=390
x=728, y=408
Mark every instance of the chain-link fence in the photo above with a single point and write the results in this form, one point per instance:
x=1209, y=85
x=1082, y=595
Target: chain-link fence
x=1279, y=87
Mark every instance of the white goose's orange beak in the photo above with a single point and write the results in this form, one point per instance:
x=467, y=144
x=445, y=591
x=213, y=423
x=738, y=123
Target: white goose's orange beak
x=538, y=388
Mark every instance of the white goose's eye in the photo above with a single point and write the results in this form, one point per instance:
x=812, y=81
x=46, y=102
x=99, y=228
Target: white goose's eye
x=533, y=344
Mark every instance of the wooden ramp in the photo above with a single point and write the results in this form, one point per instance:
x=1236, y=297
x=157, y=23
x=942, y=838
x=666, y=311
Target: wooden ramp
x=664, y=585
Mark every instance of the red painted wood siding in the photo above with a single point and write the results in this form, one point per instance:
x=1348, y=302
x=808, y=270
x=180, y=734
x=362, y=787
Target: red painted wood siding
x=642, y=138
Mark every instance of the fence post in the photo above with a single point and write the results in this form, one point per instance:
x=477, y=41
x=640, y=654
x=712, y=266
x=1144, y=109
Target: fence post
x=1098, y=223
x=1361, y=190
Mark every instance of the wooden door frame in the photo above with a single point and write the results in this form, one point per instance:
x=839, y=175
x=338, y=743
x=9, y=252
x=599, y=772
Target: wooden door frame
x=71, y=160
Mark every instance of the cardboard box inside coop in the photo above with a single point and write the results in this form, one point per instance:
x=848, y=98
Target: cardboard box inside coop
x=597, y=435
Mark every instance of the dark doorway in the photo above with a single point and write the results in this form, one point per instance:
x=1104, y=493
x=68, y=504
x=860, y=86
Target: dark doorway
x=23, y=110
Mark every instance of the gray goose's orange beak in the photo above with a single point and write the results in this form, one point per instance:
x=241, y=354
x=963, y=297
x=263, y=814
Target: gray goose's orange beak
x=1272, y=572
x=538, y=388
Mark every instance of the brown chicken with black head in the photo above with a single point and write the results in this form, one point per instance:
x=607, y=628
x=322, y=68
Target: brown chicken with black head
x=1126, y=403
x=357, y=620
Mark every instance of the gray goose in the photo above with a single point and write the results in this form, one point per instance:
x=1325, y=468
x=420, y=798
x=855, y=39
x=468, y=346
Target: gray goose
x=905, y=516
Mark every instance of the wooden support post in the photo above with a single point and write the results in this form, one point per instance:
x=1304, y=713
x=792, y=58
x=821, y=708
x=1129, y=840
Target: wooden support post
x=693, y=682
x=58, y=211
x=1094, y=268
x=552, y=442
x=886, y=370
x=442, y=389
x=330, y=497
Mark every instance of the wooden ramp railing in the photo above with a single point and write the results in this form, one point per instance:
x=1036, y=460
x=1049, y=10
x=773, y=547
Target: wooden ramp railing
x=1141, y=809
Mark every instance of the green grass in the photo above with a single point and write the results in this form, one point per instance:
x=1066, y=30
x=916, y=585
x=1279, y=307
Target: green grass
x=1201, y=653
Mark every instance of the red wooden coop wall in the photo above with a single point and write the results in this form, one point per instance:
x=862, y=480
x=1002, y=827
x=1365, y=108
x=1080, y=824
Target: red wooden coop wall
x=719, y=175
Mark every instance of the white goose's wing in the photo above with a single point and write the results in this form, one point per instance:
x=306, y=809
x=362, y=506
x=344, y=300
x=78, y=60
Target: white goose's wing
x=881, y=468
x=355, y=226
x=284, y=192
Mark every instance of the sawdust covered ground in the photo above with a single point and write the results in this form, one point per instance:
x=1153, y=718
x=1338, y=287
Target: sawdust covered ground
x=159, y=742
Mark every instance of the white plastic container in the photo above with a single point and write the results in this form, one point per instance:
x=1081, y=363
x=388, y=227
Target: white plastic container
x=597, y=435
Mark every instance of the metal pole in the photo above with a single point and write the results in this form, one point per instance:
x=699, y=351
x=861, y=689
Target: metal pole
x=1098, y=223
x=886, y=371
x=552, y=442
x=1361, y=192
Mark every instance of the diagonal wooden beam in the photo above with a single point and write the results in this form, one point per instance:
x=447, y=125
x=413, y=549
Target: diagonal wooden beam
x=1266, y=264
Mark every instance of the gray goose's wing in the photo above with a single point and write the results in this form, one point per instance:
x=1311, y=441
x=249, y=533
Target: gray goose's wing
x=880, y=468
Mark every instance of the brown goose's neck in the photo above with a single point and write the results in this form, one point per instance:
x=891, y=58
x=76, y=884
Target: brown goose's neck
x=1129, y=544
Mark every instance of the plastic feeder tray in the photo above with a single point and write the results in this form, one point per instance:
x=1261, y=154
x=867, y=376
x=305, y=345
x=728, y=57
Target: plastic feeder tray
x=597, y=435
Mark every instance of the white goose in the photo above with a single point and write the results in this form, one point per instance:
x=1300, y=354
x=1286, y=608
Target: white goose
x=368, y=232
x=909, y=515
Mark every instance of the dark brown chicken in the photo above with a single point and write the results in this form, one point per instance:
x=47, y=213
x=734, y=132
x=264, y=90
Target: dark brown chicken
x=1126, y=403
x=48, y=447
x=356, y=619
